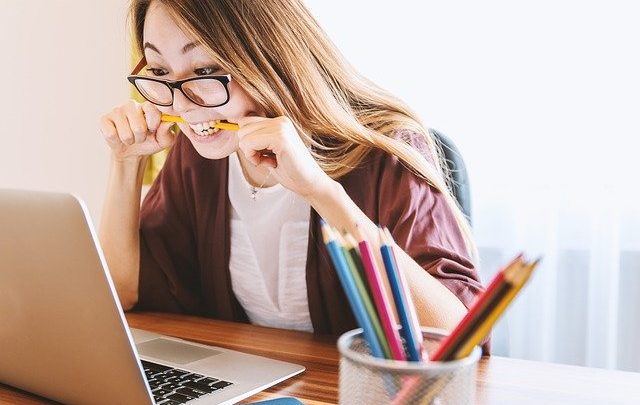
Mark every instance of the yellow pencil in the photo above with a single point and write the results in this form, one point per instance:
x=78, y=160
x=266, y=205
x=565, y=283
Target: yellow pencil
x=519, y=280
x=171, y=118
x=231, y=126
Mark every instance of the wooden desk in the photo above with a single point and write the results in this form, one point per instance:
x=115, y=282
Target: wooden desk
x=500, y=380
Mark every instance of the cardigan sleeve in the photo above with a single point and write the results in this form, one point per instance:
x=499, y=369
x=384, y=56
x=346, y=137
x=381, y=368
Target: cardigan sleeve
x=168, y=260
x=422, y=223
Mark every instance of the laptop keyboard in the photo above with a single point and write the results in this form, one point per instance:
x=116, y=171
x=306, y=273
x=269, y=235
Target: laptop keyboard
x=171, y=386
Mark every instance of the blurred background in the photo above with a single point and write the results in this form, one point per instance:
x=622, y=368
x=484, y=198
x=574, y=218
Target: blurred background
x=542, y=99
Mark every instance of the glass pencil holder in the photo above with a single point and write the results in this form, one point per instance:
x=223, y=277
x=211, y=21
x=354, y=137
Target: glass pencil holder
x=365, y=379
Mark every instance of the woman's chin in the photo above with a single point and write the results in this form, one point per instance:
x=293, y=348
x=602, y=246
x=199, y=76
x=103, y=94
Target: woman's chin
x=213, y=155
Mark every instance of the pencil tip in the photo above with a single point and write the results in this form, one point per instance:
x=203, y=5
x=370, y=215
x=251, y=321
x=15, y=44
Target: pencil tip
x=388, y=235
x=327, y=233
x=381, y=234
x=357, y=233
x=536, y=262
x=351, y=242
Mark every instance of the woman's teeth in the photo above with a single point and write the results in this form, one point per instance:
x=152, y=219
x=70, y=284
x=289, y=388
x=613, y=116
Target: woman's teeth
x=204, y=128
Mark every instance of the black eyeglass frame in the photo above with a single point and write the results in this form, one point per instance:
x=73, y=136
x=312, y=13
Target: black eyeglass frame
x=177, y=84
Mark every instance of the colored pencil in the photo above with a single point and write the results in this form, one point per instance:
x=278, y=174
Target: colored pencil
x=517, y=280
x=364, y=296
x=497, y=288
x=171, y=118
x=231, y=126
x=402, y=296
x=351, y=291
x=380, y=298
x=352, y=247
x=481, y=317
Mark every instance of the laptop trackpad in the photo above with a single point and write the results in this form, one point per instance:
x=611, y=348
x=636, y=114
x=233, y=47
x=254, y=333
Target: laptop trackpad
x=175, y=352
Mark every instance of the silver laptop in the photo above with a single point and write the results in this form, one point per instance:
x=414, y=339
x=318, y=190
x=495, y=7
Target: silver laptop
x=63, y=334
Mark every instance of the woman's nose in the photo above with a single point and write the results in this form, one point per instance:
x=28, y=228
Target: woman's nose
x=181, y=103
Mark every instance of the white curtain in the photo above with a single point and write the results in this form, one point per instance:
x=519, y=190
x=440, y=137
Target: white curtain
x=581, y=307
x=543, y=99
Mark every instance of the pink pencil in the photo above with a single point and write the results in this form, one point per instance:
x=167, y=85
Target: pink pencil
x=380, y=298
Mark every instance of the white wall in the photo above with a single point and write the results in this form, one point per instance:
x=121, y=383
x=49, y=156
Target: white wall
x=556, y=80
x=64, y=64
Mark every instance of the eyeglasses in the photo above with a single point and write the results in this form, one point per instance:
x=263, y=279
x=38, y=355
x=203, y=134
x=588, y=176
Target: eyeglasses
x=205, y=91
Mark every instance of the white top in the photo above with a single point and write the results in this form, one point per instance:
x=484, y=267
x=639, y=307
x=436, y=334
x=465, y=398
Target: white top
x=269, y=239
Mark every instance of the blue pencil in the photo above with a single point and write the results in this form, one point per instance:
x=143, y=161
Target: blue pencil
x=406, y=311
x=350, y=289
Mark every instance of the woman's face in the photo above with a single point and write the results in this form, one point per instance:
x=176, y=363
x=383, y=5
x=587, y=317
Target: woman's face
x=171, y=55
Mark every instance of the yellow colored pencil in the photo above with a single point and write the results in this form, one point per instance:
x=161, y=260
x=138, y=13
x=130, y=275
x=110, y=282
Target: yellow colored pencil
x=519, y=280
x=231, y=126
x=171, y=118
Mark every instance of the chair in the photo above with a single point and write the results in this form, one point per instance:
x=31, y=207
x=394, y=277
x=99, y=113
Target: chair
x=458, y=181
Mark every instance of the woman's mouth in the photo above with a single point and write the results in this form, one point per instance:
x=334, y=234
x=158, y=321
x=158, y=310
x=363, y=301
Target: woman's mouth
x=204, y=128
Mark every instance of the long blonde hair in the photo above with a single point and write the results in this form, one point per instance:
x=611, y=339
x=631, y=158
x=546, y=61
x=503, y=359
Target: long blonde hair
x=276, y=51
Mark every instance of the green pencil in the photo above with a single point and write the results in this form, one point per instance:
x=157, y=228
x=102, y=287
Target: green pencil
x=366, y=297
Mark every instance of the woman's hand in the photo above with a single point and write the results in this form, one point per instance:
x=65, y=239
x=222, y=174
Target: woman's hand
x=289, y=162
x=133, y=130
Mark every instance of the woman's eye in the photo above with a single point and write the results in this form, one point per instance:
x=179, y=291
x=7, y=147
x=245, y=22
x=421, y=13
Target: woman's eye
x=157, y=71
x=205, y=71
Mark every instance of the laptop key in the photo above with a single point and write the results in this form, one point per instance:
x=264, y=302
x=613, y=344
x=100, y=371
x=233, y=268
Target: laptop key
x=176, y=373
x=179, y=398
x=200, y=387
x=173, y=380
x=169, y=386
x=183, y=378
x=195, y=376
x=190, y=392
x=165, y=401
x=221, y=384
x=154, y=366
x=151, y=373
x=160, y=392
x=207, y=380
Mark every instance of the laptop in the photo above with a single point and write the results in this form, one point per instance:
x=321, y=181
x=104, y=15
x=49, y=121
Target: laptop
x=63, y=334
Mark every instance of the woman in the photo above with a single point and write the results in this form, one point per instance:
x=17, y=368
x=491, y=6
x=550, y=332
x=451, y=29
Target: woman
x=230, y=228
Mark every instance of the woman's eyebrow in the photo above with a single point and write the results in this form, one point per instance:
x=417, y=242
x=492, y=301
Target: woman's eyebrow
x=149, y=45
x=188, y=47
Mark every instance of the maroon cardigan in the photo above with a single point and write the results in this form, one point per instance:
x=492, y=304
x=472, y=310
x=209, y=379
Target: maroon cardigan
x=185, y=242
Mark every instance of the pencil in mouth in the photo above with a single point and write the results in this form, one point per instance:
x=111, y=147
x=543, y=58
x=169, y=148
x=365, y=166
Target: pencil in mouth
x=220, y=124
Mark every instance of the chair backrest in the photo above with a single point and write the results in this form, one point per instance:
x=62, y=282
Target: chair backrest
x=458, y=178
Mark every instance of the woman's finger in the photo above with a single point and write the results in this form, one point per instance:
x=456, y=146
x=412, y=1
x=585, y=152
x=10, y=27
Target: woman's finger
x=137, y=121
x=152, y=116
x=268, y=160
x=109, y=132
x=164, y=135
x=250, y=120
x=260, y=142
x=122, y=126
